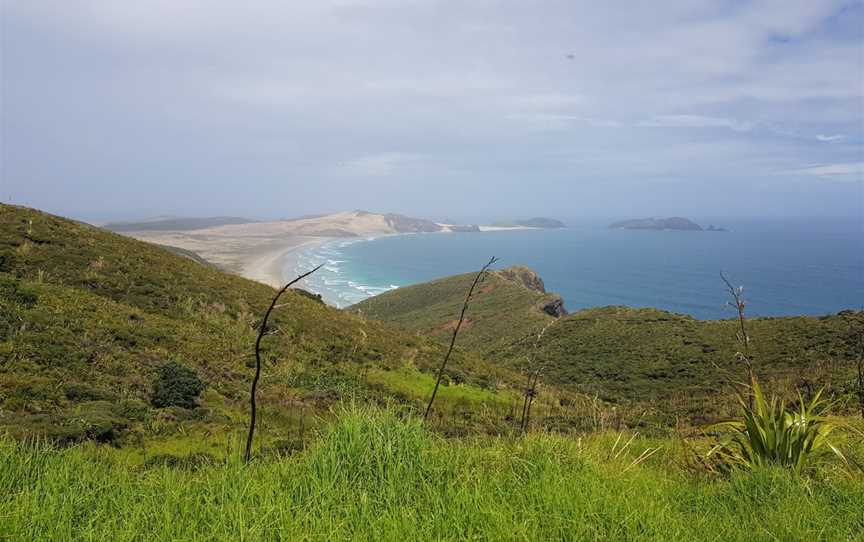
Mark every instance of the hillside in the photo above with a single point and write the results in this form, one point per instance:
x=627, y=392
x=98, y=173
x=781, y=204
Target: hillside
x=88, y=318
x=509, y=303
x=667, y=363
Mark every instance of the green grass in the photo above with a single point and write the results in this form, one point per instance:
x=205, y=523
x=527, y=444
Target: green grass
x=374, y=476
x=87, y=317
x=647, y=358
x=501, y=309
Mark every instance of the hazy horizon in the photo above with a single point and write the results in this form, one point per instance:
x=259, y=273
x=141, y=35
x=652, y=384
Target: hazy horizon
x=436, y=109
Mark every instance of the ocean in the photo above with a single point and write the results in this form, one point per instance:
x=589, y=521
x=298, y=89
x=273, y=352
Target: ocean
x=786, y=268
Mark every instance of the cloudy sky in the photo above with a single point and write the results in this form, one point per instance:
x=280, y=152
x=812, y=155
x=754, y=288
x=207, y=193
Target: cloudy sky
x=464, y=110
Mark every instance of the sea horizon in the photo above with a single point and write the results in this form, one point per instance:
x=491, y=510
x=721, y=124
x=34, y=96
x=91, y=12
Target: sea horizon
x=805, y=266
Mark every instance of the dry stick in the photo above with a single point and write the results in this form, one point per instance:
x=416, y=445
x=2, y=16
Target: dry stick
x=261, y=331
x=531, y=395
x=455, y=333
x=739, y=304
x=531, y=389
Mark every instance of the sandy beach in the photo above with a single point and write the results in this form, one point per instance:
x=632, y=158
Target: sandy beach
x=263, y=251
x=269, y=266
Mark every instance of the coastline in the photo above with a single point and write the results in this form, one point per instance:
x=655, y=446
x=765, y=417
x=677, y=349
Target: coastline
x=268, y=266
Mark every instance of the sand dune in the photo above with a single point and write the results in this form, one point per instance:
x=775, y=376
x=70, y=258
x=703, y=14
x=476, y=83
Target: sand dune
x=257, y=250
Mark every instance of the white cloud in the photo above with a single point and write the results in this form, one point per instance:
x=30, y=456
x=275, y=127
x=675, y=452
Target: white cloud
x=269, y=90
x=850, y=171
x=376, y=165
x=696, y=121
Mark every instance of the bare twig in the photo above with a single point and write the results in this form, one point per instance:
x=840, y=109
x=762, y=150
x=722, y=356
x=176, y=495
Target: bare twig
x=739, y=304
x=533, y=379
x=443, y=366
x=261, y=331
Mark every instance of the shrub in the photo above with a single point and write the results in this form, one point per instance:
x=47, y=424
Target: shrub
x=769, y=434
x=176, y=385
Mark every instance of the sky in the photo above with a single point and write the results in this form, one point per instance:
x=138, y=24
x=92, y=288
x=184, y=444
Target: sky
x=450, y=110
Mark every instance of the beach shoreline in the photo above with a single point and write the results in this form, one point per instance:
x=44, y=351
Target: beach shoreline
x=269, y=266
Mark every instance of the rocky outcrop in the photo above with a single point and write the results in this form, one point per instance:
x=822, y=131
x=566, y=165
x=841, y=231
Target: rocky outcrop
x=554, y=306
x=525, y=276
x=471, y=228
x=551, y=304
x=405, y=224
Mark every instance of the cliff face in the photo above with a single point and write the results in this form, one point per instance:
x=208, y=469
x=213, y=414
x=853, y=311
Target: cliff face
x=554, y=307
x=525, y=276
x=405, y=224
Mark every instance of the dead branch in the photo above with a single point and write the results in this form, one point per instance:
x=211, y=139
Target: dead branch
x=261, y=331
x=738, y=302
x=533, y=379
x=443, y=366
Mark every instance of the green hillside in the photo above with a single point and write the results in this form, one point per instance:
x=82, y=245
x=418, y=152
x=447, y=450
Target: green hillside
x=660, y=364
x=88, y=318
x=508, y=303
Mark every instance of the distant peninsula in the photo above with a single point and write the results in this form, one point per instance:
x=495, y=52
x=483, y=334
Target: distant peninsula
x=672, y=223
x=536, y=222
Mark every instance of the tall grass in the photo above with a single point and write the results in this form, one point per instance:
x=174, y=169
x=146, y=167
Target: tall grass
x=372, y=476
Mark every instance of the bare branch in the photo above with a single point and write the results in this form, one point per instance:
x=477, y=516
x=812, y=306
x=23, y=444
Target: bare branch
x=261, y=331
x=739, y=303
x=479, y=278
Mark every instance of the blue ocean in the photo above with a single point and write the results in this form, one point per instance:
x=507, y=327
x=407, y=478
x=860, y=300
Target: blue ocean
x=786, y=268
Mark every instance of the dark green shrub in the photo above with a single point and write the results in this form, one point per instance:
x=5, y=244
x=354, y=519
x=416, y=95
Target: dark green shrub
x=92, y=420
x=13, y=302
x=176, y=385
x=79, y=392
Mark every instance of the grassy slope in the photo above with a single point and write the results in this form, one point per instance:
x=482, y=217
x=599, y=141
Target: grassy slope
x=668, y=363
x=87, y=317
x=374, y=477
x=500, y=309
x=680, y=364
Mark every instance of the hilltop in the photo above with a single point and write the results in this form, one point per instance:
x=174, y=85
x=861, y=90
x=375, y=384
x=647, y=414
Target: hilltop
x=510, y=302
x=667, y=363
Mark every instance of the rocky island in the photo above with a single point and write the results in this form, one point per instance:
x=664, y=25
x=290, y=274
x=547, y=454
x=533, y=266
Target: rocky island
x=672, y=223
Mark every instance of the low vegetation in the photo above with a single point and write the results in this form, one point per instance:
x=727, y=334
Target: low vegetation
x=125, y=371
x=645, y=360
x=176, y=385
x=373, y=476
x=88, y=318
x=509, y=304
x=769, y=433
